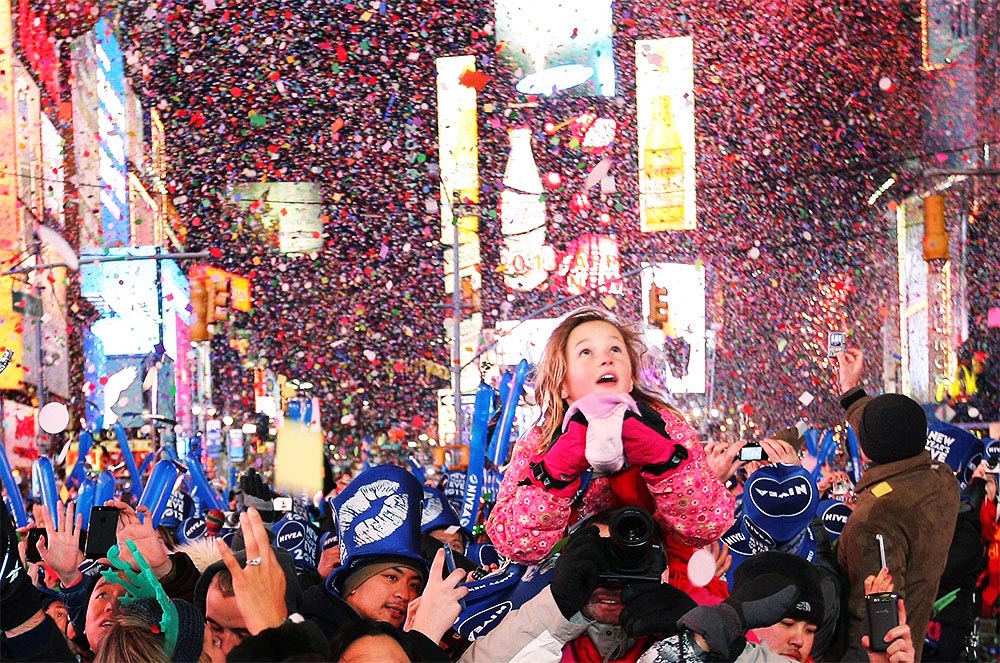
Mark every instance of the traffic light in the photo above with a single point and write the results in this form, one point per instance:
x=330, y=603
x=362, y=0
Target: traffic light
x=659, y=309
x=198, y=330
x=217, y=290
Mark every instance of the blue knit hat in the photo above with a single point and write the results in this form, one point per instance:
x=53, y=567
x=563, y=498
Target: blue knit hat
x=437, y=513
x=378, y=517
x=191, y=529
x=780, y=500
x=960, y=449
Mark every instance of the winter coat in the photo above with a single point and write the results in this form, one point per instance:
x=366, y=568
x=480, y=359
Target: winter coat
x=913, y=504
x=689, y=502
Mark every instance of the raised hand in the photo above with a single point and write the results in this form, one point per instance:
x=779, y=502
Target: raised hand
x=147, y=539
x=60, y=546
x=851, y=362
x=260, y=586
x=438, y=607
x=901, y=650
x=724, y=459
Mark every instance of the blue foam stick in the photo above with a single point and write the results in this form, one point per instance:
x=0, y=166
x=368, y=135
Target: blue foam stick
x=505, y=381
x=105, y=489
x=13, y=490
x=509, y=409
x=202, y=488
x=79, y=472
x=158, y=489
x=85, y=500
x=44, y=479
x=477, y=455
x=133, y=470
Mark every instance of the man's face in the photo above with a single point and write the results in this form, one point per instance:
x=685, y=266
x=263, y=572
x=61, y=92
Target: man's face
x=384, y=597
x=101, y=610
x=374, y=648
x=57, y=611
x=224, y=624
x=604, y=605
x=453, y=540
x=789, y=637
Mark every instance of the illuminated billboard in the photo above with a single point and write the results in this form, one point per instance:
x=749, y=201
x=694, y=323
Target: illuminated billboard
x=676, y=335
x=126, y=293
x=291, y=210
x=557, y=45
x=112, y=136
x=664, y=97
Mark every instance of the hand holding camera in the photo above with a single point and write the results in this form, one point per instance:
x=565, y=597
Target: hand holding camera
x=578, y=570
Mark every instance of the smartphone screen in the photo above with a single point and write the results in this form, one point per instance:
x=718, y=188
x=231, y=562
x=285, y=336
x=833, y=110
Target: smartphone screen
x=31, y=554
x=752, y=452
x=103, y=532
x=836, y=343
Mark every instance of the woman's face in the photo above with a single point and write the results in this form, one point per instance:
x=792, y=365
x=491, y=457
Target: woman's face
x=597, y=361
x=104, y=605
x=374, y=648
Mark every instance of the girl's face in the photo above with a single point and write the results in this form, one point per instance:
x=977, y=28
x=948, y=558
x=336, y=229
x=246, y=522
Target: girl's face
x=596, y=361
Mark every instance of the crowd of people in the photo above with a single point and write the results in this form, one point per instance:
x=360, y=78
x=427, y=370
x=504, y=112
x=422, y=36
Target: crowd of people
x=617, y=534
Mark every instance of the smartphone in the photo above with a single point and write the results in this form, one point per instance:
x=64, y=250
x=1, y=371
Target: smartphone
x=449, y=566
x=882, y=611
x=752, y=452
x=31, y=554
x=836, y=342
x=103, y=532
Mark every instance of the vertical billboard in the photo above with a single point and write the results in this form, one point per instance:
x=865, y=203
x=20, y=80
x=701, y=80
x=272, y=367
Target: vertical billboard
x=676, y=332
x=112, y=132
x=86, y=143
x=9, y=226
x=557, y=45
x=664, y=97
x=913, y=304
x=127, y=294
x=176, y=298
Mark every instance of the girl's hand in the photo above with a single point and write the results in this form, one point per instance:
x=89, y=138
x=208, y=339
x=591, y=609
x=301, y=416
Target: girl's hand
x=779, y=451
x=724, y=459
x=438, y=607
x=723, y=560
x=60, y=546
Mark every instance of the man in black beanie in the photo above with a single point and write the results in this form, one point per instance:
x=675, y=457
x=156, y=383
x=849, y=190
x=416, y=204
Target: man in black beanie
x=903, y=496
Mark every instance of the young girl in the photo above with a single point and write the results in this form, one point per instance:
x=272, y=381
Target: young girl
x=603, y=440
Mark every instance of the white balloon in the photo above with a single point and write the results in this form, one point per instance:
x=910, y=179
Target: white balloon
x=701, y=567
x=53, y=418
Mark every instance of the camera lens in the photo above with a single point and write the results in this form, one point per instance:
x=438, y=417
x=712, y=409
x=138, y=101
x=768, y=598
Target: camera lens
x=631, y=537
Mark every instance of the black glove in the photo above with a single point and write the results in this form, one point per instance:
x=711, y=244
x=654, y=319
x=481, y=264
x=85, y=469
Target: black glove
x=578, y=570
x=760, y=602
x=653, y=609
x=253, y=492
x=18, y=596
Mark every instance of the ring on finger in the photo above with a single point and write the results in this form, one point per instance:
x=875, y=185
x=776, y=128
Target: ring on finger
x=253, y=562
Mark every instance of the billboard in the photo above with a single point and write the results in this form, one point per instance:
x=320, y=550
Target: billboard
x=556, y=46
x=677, y=341
x=112, y=134
x=664, y=98
x=291, y=210
x=126, y=293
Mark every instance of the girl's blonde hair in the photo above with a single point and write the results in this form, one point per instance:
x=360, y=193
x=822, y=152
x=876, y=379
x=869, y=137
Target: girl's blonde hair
x=551, y=370
x=131, y=639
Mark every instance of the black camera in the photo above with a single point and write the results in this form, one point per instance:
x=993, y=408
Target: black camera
x=636, y=556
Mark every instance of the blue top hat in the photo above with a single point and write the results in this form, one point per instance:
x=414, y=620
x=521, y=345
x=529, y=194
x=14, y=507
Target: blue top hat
x=378, y=519
x=299, y=537
x=437, y=513
x=179, y=507
x=191, y=529
x=960, y=449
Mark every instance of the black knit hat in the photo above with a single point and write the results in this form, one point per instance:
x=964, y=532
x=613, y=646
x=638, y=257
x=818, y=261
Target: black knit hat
x=810, y=606
x=893, y=427
x=190, y=626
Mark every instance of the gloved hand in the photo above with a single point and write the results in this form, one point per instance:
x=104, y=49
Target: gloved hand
x=653, y=609
x=760, y=602
x=604, y=413
x=18, y=596
x=578, y=570
x=560, y=468
x=253, y=492
x=648, y=444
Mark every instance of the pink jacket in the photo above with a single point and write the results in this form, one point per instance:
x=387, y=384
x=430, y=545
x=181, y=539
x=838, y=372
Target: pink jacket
x=691, y=503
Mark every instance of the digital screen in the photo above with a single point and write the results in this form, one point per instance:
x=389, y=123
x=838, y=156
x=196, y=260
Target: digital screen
x=554, y=46
x=126, y=294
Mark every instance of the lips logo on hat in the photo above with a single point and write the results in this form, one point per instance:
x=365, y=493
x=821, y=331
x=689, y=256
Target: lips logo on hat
x=781, y=498
x=382, y=525
x=432, y=508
